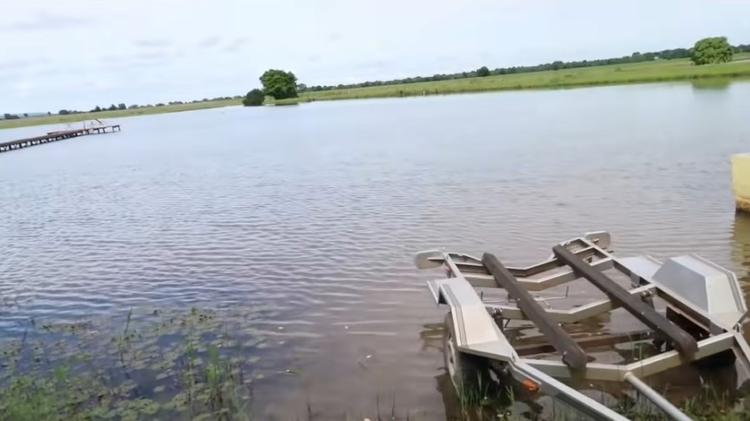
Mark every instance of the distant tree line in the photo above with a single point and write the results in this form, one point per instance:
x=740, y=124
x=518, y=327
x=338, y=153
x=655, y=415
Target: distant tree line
x=9, y=116
x=122, y=106
x=113, y=107
x=636, y=57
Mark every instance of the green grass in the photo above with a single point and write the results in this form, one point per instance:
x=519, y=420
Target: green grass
x=657, y=71
x=174, y=366
x=72, y=118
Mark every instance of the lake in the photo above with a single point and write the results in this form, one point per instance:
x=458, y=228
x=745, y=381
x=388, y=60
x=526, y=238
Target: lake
x=299, y=224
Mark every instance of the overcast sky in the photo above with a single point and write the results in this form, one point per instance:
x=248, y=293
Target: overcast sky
x=80, y=53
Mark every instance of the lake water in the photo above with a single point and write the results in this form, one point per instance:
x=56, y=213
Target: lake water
x=301, y=222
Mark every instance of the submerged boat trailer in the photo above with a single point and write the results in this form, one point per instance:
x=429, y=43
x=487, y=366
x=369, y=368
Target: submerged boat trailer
x=704, y=313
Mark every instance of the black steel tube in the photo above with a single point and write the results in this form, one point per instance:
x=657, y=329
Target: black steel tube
x=683, y=341
x=572, y=354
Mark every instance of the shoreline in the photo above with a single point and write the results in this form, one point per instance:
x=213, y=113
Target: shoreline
x=86, y=116
x=677, y=70
x=733, y=78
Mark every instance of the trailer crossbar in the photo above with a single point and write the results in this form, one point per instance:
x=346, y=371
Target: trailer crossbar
x=682, y=340
x=572, y=354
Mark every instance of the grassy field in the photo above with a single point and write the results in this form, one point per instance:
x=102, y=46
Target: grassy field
x=72, y=118
x=655, y=71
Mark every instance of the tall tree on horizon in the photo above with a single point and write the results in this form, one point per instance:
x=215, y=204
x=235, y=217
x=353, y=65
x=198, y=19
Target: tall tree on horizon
x=279, y=84
x=712, y=50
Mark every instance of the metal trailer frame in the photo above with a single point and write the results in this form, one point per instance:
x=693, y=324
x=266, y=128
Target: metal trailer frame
x=705, y=301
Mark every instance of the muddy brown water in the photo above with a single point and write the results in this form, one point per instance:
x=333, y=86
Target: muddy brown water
x=301, y=222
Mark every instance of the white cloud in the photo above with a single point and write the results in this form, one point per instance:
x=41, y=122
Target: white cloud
x=45, y=21
x=80, y=53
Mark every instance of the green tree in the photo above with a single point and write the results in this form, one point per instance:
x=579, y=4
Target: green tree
x=279, y=84
x=253, y=98
x=483, y=71
x=711, y=50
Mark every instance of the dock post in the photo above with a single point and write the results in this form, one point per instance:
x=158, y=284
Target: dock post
x=741, y=180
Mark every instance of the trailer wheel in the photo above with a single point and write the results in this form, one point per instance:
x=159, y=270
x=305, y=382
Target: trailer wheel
x=468, y=373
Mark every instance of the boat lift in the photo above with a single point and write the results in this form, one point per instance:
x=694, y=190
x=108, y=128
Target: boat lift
x=704, y=314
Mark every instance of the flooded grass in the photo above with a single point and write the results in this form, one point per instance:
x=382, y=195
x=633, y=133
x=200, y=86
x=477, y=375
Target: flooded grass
x=187, y=366
x=709, y=404
x=176, y=368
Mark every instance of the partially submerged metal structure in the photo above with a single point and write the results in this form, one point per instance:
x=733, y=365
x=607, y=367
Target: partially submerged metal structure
x=693, y=309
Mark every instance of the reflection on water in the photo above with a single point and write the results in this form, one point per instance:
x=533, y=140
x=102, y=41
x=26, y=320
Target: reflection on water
x=741, y=246
x=741, y=255
x=300, y=223
x=716, y=84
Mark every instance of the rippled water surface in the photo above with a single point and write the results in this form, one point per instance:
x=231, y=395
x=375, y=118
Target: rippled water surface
x=302, y=221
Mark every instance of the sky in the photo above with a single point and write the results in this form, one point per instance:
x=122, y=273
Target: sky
x=76, y=54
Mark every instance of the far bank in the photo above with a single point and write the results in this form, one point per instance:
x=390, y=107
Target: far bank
x=621, y=74
x=104, y=115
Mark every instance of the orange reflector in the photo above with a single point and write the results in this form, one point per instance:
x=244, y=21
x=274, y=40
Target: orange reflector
x=530, y=385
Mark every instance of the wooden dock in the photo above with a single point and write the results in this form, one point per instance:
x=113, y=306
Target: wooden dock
x=57, y=136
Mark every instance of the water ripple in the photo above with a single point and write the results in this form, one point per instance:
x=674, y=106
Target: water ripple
x=305, y=220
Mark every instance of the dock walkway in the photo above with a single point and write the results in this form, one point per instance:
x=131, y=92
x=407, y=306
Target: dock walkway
x=56, y=136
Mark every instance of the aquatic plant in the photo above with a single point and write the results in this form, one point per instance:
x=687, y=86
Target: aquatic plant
x=172, y=368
